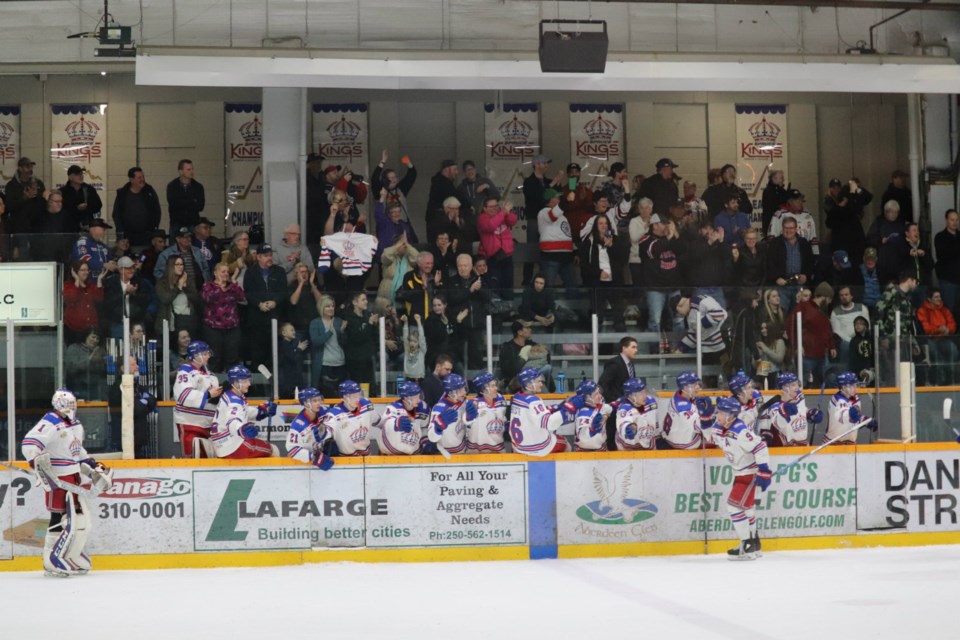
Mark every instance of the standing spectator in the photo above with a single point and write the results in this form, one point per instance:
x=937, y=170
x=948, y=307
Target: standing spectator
x=871, y=279
x=291, y=252
x=81, y=202
x=534, y=199
x=85, y=366
x=327, y=362
x=918, y=259
x=938, y=323
x=716, y=195
x=749, y=261
x=450, y=221
x=577, y=202
x=842, y=318
x=445, y=334
x=710, y=271
x=179, y=300
x=774, y=197
x=465, y=290
x=947, y=246
x=841, y=271
x=290, y=360
x=148, y=257
x=204, y=240
x=360, y=339
x=136, y=209
x=390, y=224
x=317, y=205
x=397, y=259
x=538, y=304
x=661, y=187
x=444, y=255
x=397, y=189
x=897, y=298
x=414, y=350
x=843, y=207
x=419, y=286
x=616, y=189
x=770, y=312
x=266, y=287
x=638, y=227
x=556, y=245
x=23, y=222
x=123, y=297
x=14, y=189
x=496, y=241
x=862, y=358
x=509, y=356
x=710, y=315
x=442, y=186
x=194, y=262
x=898, y=191
x=185, y=198
x=733, y=222
x=93, y=251
x=818, y=341
x=888, y=234
x=602, y=258
x=601, y=208
x=81, y=297
x=661, y=250
x=771, y=353
x=693, y=205
x=303, y=298
x=790, y=261
x=221, y=317
x=806, y=225
x=56, y=237
x=474, y=189
x=239, y=256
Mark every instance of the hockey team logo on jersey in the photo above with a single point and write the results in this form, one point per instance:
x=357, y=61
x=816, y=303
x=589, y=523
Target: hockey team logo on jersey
x=147, y=488
x=613, y=506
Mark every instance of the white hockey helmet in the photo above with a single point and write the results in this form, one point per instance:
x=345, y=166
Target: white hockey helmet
x=65, y=403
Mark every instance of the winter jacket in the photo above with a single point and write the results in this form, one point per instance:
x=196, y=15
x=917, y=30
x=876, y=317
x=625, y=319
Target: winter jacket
x=932, y=318
x=137, y=229
x=495, y=233
x=817, y=332
x=80, y=305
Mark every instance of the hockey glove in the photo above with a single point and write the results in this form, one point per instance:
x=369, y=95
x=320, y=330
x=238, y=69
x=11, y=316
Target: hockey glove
x=815, y=416
x=405, y=424
x=90, y=462
x=629, y=432
x=100, y=477
x=428, y=448
x=596, y=425
x=704, y=406
x=606, y=409
x=322, y=461
x=873, y=425
x=855, y=415
x=448, y=416
x=764, y=477
x=789, y=409
x=266, y=409
x=574, y=404
x=249, y=431
x=472, y=410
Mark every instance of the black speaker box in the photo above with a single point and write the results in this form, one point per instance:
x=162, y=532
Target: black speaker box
x=568, y=46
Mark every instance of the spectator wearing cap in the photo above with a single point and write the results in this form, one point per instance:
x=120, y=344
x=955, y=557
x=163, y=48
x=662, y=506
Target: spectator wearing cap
x=819, y=345
x=209, y=246
x=556, y=245
x=81, y=202
x=185, y=198
x=790, y=261
x=842, y=271
x=577, y=201
x=136, y=209
x=733, y=221
x=842, y=320
x=947, y=245
x=774, y=197
x=265, y=285
x=843, y=208
x=806, y=225
x=899, y=191
x=14, y=190
x=716, y=195
x=442, y=186
x=888, y=234
x=661, y=187
x=616, y=189
x=661, y=251
x=197, y=267
x=124, y=297
x=397, y=188
x=870, y=274
x=534, y=189
x=92, y=250
x=148, y=257
x=290, y=251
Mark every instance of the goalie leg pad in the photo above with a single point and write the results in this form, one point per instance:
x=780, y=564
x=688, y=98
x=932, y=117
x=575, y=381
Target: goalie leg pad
x=78, y=519
x=59, y=536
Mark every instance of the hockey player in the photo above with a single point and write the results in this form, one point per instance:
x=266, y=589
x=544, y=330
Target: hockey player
x=845, y=411
x=349, y=422
x=54, y=449
x=784, y=422
x=591, y=419
x=448, y=426
x=403, y=422
x=637, y=426
x=689, y=418
x=533, y=427
x=306, y=437
x=741, y=387
x=748, y=456
x=194, y=388
x=232, y=432
x=486, y=416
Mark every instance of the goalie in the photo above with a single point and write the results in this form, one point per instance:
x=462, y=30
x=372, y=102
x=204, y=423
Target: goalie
x=54, y=449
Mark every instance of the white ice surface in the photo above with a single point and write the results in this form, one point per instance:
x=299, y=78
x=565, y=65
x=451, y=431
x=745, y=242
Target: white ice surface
x=809, y=595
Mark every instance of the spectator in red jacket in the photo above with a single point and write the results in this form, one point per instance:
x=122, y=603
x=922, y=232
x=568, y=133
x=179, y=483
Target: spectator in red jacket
x=81, y=297
x=819, y=344
x=495, y=226
x=939, y=324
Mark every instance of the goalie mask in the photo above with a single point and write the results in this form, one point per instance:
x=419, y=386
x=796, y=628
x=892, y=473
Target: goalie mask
x=65, y=403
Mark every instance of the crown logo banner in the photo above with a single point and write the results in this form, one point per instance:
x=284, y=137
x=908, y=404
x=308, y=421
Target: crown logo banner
x=243, y=141
x=78, y=135
x=596, y=138
x=9, y=142
x=511, y=136
x=761, y=148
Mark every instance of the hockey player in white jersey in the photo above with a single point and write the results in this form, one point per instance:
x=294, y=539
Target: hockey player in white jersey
x=448, y=422
x=404, y=422
x=741, y=387
x=350, y=422
x=307, y=435
x=486, y=416
x=845, y=410
x=194, y=388
x=784, y=423
x=591, y=419
x=533, y=427
x=232, y=432
x=689, y=417
x=748, y=455
x=637, y=426
x=54, y=448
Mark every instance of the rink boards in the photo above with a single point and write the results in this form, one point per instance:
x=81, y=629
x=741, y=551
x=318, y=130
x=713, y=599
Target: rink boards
x=175, y=513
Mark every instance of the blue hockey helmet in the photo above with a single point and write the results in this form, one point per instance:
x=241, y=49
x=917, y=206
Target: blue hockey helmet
x=528, y=375
x=453, y=382
x=238, y=372
x=633, y=385
x=586, y=387
x=481, y=380
x=728, y=404
x=687, y=377
x=786, y=377
x=847, y=377
x=348, y=387
x=738, y=382
x=197, y=347
x=409, y=388
x=309, y=393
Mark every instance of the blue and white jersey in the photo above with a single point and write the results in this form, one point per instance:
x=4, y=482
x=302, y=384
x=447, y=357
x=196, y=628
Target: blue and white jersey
x=305, y=435
x=485, y=432
x=61, y=438
x=192, y=388
x=681, y=425
x=95, y=254
x=393, y=441
x=743, y=449
x=750, y=412
x=532, y=425
x=839, y=420
x=791, y=430
x=351, y=429
x=590, y=432
x=643, y=419
x=233, y=413
x=452, y=436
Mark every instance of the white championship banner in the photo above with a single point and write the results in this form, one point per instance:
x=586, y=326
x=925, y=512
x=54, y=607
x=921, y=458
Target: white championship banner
x=78, y=135
x=761, y=148
x=243, y=138
x=511, y=134
x=341, y=134
x=29, y=294
x=596, y=139
x=9, y=143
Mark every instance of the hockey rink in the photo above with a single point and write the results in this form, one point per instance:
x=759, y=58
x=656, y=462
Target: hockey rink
x=860, y=593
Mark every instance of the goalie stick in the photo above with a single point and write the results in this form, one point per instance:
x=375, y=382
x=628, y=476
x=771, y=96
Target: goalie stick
x=782, y=470
x=54, y=481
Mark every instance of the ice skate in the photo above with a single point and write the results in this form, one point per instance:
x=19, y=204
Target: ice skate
x=743, y=551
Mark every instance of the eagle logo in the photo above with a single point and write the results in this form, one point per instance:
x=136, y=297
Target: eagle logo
x=613, y=506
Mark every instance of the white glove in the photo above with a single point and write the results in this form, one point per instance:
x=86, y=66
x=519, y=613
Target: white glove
x=100, y=477
x=43, y=471
x=606, y=409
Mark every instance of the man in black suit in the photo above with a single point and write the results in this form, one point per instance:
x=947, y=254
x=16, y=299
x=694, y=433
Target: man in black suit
x=616, y=370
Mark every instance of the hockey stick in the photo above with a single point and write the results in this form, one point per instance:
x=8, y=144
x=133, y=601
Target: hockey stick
x=54, y=481
x=947, y=405
x=266, y=374
x=826, y=444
